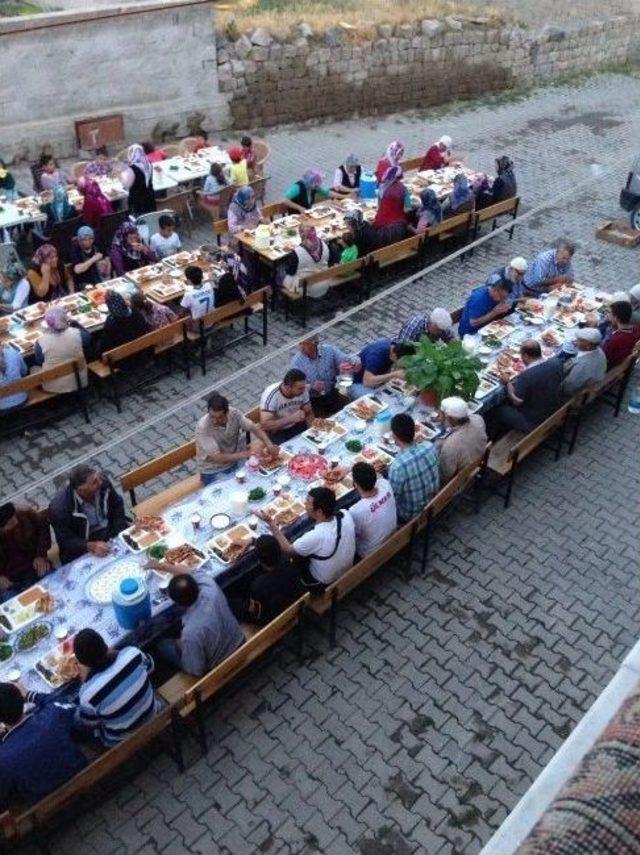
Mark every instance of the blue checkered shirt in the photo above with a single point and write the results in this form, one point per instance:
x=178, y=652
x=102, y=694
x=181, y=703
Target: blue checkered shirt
x=543, y=267
x=414, y=478
x=416, y=327
x=324, y=368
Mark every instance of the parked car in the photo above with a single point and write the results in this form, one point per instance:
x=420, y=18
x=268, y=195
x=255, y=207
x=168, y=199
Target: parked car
x=630, y=194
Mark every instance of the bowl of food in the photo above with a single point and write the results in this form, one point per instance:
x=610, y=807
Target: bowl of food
x=157, y=551
x=354, y=446
x=6, y=652
x=220, y=521
x=257, y=494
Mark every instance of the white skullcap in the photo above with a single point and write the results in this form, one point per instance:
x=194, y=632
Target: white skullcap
x=620, y=297
x=455, y=407
x=590, y=334
x=446, y=140
x=519, y=263
x=635, y=292
x=442, y=319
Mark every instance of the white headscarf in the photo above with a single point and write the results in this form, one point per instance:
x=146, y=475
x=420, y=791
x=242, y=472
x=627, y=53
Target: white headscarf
x=137, y=157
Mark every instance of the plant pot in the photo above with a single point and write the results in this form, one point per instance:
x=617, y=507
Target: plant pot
x=430, y=398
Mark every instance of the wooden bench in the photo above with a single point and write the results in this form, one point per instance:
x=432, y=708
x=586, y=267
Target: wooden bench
x=508, y=208
x=508, y=452
x=339, y=274
x=396, y=252
x=458, y=226
x=156, y=342
x=225, y=316
x=411, y=163
x=32, y=384
x=188, y=694
x=16, y=824
x=320, y=604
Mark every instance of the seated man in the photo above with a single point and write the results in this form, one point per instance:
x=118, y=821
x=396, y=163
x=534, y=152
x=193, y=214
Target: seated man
x=24, y=543
x=374, y=514
x=484, y=304
x=413, y=475
x=589, y=365
x=376, y=365
x=513, y=273
x=321, y=363
x=624, y=336
x=86, y=514
x=221, y=439
x=551, y=269
x=532, y=396
x=437, y=325
x=466, y=442
x=285, y=408
x=329, y=546
x=209, y=630
x=165, y=241
x=37, y=753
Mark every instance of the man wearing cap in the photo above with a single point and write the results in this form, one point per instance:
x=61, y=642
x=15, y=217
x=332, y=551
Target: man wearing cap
x=551, y=269
x=588, y=366
x=485, y=304
x=437, y=325
x=466, y=442
x=513, y=273
x=438, y=155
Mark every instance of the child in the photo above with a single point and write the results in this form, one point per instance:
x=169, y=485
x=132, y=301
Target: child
x=165, y=241
x=249, y=154
x=154, y=155
x=238, y=171
x=198, y=299
x=214, y=183
x=350, y=251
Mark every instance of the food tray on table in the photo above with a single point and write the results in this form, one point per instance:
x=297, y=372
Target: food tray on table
x=307, y=466
x=319, y=212
x=508, y=365
x=22, y=610
x=338, y=487
x=424, y=433
x=89, y=320
x=32, y=636
x=268, y=467
x=366, y=408
x=231, y=545
x=323, y=432
x=73, y=302
x=32, y=313
x=587, y=304
x=402, y=386
x=550, y=337
x=531, y=306
x=166, y=290
x=188, y=554
x=486, y=387
x=497, y=329
x=145, y=532
x=568, y=317
x=59, y=666
x=183, y=259
x=146, y=274
x=378, y=458
x=285, y=509
x=24, y=342
x=101, y=585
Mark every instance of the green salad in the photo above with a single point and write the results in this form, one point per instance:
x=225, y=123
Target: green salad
x=157, y=551
x=32, y=636
x=5, y=652
x=354, y=445
x=256, y=494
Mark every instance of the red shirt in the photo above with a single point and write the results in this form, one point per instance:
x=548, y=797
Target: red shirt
x=382, y=167
x=434, y=158
x=619, y=345
x=391, y=207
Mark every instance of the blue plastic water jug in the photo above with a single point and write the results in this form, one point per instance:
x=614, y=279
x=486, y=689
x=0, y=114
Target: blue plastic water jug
x=368, y=185
x=132, y=603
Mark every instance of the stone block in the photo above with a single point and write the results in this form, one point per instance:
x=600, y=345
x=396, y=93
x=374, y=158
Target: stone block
x=242, y=47
x=385, y=31
x=453, y=23
x=259, y=54
x=261, y=37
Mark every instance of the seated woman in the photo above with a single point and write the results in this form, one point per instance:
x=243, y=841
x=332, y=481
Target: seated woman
x=438, y=155
x=504, y=185
x=214, y=183
x=47, y=275
x=100, y=167
x=429, y=214
x=7, y=183
x=346, y=179
x=128, y=250
x=90, y=267
x=57, y=210
x=121, y=325
x=238, y=172
x=50, y=174
x=235, y=282
x=96, y=205
x=154, y=155
x=155, y=314
x=365, y=236
x=392, y=157
x=14, y=287
x=61, y=342
x=460, y=199
x=244, y=211
x=308, y=189
x=312, y=255
x=12, y=368
x=394, y=207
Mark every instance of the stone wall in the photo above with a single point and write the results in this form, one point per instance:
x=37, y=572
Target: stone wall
x=154, y=62
x=305, y=75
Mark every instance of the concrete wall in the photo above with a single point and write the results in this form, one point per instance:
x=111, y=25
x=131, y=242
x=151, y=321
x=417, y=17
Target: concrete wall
x=153, y=62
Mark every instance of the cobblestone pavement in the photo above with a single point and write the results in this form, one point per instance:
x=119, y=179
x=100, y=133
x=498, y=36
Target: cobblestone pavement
x=446, y=694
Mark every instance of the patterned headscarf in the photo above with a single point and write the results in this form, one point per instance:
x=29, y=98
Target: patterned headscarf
x=311, y=242
x=354, y=218
x=312, y=179
x=245, y=199
x=120, y=241
x=461, y=193
x=44, y=254
x=137, y=157
x=85, y=232
x=504, y=164
x=92, y=190
x=56, y=319
x=10, y=276
x=431, y=204
x=393, y=174
x=117, y=305
x=98, y=168
x=394, y=152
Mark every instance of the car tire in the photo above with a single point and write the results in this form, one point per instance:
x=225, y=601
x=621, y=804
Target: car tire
x=634, y=218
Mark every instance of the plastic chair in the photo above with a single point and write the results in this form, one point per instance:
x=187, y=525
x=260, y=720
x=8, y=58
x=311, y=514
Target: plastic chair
x=148, y=224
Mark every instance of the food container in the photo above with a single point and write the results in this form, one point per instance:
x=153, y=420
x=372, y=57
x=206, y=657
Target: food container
x=132, y=602
x=549, y=307
x=262, y=236
x=239, y=502
x=368, y=186
x=382, y=422
x=344, y=383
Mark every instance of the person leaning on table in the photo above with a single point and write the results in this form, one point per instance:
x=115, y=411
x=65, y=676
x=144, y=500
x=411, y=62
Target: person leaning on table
x=467, y=440
x=485, y=304
x=377, y=362
x=588, y=366
x=221, y=439
x=551, y=269
x=25, y=540
x=413, y=475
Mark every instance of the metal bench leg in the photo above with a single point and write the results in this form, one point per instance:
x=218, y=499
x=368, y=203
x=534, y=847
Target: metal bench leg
x=512, y=475
x=332, y=620
x=264, y=324
x=300, y=634
x=202, y=731
x=116, y=391
x=175, y=738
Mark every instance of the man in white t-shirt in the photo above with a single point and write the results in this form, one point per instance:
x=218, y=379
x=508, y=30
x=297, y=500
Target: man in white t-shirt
x=330, y=546
x=374, y=515
x=285, y=408
x=165, y=241
x=199, y=298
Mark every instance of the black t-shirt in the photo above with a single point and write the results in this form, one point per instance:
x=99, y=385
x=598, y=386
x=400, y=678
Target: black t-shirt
x=273, y=591
x=91, y=276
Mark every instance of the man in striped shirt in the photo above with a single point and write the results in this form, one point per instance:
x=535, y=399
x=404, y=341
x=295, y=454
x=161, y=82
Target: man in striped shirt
x=116, y=696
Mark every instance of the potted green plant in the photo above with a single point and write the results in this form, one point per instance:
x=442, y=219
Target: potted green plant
x=441, y=370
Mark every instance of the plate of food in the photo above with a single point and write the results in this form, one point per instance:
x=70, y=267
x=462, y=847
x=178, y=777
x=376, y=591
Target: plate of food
x=568, y=317
x=551, y=337
x=323, y=432
x=366, y=408
x=338, y=486
x=33, y=313
x=285, y=509
x=6, y=652
x=22, y=610
x=532, y=306
x=103, y=583
x=59, y=666
x=89, y=319
x=268, y=467
x=307, y=466
x=507, y=365
x=487, y=385
x=378, y=458
x=231, y=545
x=424, y=433
x=145, y=532
x=497, y=329
x=187, y=554
x=29, y=638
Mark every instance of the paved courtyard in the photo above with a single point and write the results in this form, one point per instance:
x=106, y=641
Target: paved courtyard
x=446, y=694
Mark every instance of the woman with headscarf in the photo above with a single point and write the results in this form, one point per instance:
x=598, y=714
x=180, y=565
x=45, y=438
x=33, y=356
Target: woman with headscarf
x=47, y=276
x=14, y=287
x=7, y=183
x=137, y=178
x=438, y=155
x=57, y=210
x=96, y=205
x=504, y=185
x=392, y=157
x=430, y=212
x=155, y=314
x=346, y=179
x=121, y=324
x=12, y=368
x=244, y=211
x=232, y=286
x=461, y=198
x=128, y=250
x=100, y=166
x=394, y=207
x=61, y=342
x=90, y=267
x=308, y=189
x=312, y=255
